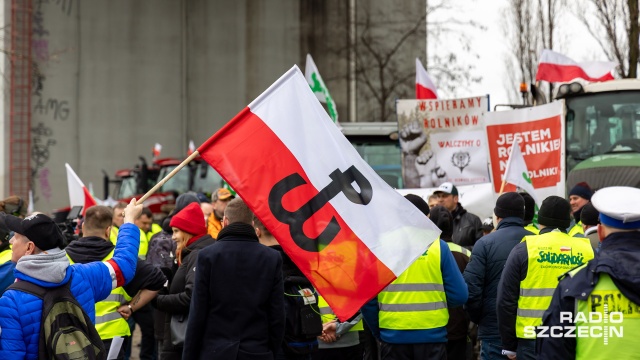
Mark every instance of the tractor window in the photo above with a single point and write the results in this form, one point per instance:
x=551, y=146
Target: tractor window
x=602, y=123
x=178, y=183
x=127, y=187
x=206, y=179
x=384, y=159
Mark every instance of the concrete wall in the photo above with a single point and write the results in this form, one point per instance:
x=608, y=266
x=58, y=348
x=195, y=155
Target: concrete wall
x=118, y=76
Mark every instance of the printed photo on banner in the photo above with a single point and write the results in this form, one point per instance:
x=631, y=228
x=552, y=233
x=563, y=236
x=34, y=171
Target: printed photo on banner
x=461, y=155
x=424, y=163
x=539, y=130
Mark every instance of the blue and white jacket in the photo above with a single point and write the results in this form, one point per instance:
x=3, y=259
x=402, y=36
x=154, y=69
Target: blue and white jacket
x=21, y=313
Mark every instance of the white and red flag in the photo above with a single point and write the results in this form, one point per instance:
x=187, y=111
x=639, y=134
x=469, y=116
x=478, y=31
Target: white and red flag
x=79, y=195
x=425, y=88
x=192, y=148
x=157, y=149
x=555, y=67
x=348, y=231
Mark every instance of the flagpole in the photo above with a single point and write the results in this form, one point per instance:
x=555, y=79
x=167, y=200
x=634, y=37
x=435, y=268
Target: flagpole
x=169, y=176
x=516, y=142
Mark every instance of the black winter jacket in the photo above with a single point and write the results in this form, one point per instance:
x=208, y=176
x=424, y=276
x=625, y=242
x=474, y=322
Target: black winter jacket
x=467, y=227
x=482, y=275
x=619, y=256
x=237, y=309
x=179, y=298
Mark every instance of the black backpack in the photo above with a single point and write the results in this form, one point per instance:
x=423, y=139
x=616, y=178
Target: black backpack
x=66, y=332
x=303, y=322
x=161, y=250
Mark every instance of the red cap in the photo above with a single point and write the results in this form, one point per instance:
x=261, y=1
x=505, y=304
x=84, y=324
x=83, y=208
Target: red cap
x=190, y=220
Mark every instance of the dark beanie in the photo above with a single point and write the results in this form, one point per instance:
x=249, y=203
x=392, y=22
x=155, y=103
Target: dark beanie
x=509, y=204
x=443, y=219
x=583, y=190
x=555, y=212
x=529, y=207
x=419, y=203
x=590, y=216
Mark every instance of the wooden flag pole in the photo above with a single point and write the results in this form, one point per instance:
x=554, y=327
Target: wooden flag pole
x=166, y=178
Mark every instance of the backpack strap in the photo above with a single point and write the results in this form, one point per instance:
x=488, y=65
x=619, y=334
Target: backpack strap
x=28, y=287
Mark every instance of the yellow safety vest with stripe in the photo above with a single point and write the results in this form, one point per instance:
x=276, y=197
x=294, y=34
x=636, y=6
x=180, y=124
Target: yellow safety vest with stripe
x=144, y=241
x=576, y=230
x=620, y=317
x=109, y=322
x=459, y=249
x=416, y=299
x=327, y=314
x=5, y=256
x=532, y=229
x=550, y=255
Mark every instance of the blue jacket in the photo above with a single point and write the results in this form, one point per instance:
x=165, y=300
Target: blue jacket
x=482, y=274
x=618, y=257
x=21, y=312
x=454, y=288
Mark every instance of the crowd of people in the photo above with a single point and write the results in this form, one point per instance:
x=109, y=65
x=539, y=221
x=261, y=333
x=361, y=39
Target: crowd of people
x=210, y=281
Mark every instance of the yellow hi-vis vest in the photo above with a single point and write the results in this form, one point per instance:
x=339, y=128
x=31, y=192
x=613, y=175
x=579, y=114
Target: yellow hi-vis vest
x=113, y=236
x=613, y=336
x=5, y=256
x=532, y=228
x=144, y=241
x=327, y=314
x=576, y=229
x=416, y=299
x=457, y=248
x=109, y=322
x=550, y=255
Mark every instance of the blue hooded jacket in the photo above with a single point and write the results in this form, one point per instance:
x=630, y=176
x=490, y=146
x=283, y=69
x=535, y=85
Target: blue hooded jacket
x=22, y=312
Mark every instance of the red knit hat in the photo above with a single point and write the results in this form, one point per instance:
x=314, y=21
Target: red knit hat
x=190, y=220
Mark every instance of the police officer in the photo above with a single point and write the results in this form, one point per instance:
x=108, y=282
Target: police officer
x=531, y=275
x=608, y=285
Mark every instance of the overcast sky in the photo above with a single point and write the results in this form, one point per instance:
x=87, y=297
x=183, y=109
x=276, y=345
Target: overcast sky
x=491, y=45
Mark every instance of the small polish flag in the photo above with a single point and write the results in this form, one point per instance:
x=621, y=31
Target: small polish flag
x=555, y=67
x=157, y=148
x=425, y=88
x=78, y=193
x=565, y=248
x=192, y=148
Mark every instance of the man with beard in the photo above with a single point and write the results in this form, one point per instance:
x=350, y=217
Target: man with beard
x=219, y=200
x=579, y=196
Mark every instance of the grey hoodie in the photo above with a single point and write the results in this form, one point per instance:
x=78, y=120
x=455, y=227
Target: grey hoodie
x=50, y=266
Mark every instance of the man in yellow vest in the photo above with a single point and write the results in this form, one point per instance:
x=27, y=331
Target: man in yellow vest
x=590, y=218
x=111, y=313
x=529, y=213
x=599, y=303
x=579, y=196
x=410, y=315
x=531, y=275
x=117, y=221
x=219, y=199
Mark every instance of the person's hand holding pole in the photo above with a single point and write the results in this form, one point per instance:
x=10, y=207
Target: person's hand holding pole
x=132, y=211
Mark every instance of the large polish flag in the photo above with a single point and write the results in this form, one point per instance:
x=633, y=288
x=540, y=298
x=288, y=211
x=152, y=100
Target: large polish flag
x=79, y=195
x=555, y=67
x=425, y=88
x=348, y=231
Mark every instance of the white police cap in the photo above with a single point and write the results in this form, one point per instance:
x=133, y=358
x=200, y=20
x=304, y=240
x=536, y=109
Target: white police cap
x=618, y=206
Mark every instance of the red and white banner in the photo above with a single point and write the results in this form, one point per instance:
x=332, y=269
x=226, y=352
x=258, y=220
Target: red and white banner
x=555, y=67
x=328, y=209
x=79, y=195
x=540, y=130
x=425, y=88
